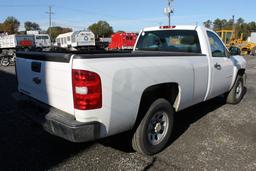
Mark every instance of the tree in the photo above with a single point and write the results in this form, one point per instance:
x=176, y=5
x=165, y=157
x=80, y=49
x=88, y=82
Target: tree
x=31, y=26
x=55, y=31
x=252, y=26
x=240, y=21
x=217, y=24
x=228, y=24
x=1, y=28
x=101, y=29
x=208, y=24
x=241, y=27
x=10, y=25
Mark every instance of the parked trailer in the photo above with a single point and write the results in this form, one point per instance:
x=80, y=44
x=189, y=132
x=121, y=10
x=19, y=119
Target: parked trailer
x=77, y=40
x=122, y=41
x=42, y=41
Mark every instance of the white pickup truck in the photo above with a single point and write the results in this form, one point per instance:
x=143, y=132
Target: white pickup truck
x=95, y=95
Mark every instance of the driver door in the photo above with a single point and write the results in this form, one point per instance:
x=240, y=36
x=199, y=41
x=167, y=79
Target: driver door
x=221, y=66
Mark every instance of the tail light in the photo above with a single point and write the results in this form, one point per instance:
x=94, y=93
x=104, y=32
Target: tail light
x=87, y=92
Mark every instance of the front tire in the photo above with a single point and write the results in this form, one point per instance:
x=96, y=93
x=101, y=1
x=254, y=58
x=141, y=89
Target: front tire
x=154, y=131
x=236, y=93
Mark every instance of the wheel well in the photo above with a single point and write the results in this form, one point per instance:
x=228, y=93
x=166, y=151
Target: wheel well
x=168, y=91
x=241, y=72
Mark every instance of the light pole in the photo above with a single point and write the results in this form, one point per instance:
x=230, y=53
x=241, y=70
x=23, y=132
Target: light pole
x=168, y=11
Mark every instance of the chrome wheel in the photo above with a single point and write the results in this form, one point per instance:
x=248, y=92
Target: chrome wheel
x=158, y=127
x=239, y=90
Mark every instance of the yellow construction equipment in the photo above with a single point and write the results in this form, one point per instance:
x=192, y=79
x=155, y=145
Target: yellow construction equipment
x=231, y=39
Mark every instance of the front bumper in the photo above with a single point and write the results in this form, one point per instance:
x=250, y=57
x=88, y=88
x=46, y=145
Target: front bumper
x=57, y=122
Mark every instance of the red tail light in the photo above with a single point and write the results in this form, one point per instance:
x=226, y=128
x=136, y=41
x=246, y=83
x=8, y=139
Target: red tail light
x=87, y=91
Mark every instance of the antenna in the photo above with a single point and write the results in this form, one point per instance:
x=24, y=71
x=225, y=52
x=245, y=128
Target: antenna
x=168, y=11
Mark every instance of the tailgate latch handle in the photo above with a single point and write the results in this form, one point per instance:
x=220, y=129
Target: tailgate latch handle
x=37, y=80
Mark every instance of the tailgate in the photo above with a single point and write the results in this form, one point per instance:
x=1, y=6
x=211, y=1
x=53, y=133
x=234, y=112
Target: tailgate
x=46, y=77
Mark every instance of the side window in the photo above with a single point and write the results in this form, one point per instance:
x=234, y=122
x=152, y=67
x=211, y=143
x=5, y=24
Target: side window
x=217, y=47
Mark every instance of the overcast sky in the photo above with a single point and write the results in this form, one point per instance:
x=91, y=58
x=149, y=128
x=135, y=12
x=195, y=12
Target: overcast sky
x=129, y=15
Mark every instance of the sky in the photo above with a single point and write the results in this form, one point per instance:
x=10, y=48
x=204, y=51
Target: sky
x=129, y=15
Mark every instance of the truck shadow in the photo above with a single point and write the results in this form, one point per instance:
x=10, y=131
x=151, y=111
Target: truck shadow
x=24, y=145
x=185, y=118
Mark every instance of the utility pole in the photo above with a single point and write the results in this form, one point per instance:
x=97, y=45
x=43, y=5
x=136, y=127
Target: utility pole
x=233, y=28
x=50, y=13
x=168, y=11
x=234, y=22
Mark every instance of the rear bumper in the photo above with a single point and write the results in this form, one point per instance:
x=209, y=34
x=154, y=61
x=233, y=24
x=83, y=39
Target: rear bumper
x=57, y=122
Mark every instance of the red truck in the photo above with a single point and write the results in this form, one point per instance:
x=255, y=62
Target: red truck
x=122, y=41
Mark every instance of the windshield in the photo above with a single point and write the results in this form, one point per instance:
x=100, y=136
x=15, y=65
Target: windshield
x=169, y=40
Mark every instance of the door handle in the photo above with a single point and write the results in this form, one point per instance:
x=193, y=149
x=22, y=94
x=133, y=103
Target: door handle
x=217, y=66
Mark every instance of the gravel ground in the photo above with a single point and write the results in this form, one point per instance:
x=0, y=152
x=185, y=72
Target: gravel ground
x=208, y=136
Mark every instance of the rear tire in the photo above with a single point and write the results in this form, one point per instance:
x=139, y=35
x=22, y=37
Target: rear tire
x=235, y=95
x=5, y=61
x=154, y=131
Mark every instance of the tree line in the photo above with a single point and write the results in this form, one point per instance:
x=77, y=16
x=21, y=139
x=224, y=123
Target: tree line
x=11, y=26
x=228, y=24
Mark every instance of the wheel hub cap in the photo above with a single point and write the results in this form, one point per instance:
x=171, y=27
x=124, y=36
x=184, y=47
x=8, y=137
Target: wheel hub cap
x=158, y=127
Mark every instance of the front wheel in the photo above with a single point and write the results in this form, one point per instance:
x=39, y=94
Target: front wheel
x=5, y=61
x=154, y=131
x=235, y=95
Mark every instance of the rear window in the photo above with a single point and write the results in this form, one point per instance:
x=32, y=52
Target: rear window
x=169, y=40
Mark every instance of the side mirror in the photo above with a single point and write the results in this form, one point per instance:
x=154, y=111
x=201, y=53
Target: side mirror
x=234, y=51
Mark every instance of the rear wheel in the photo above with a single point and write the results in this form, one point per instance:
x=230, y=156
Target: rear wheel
x=154, y=131
x=5, y=61
x=236, y=93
